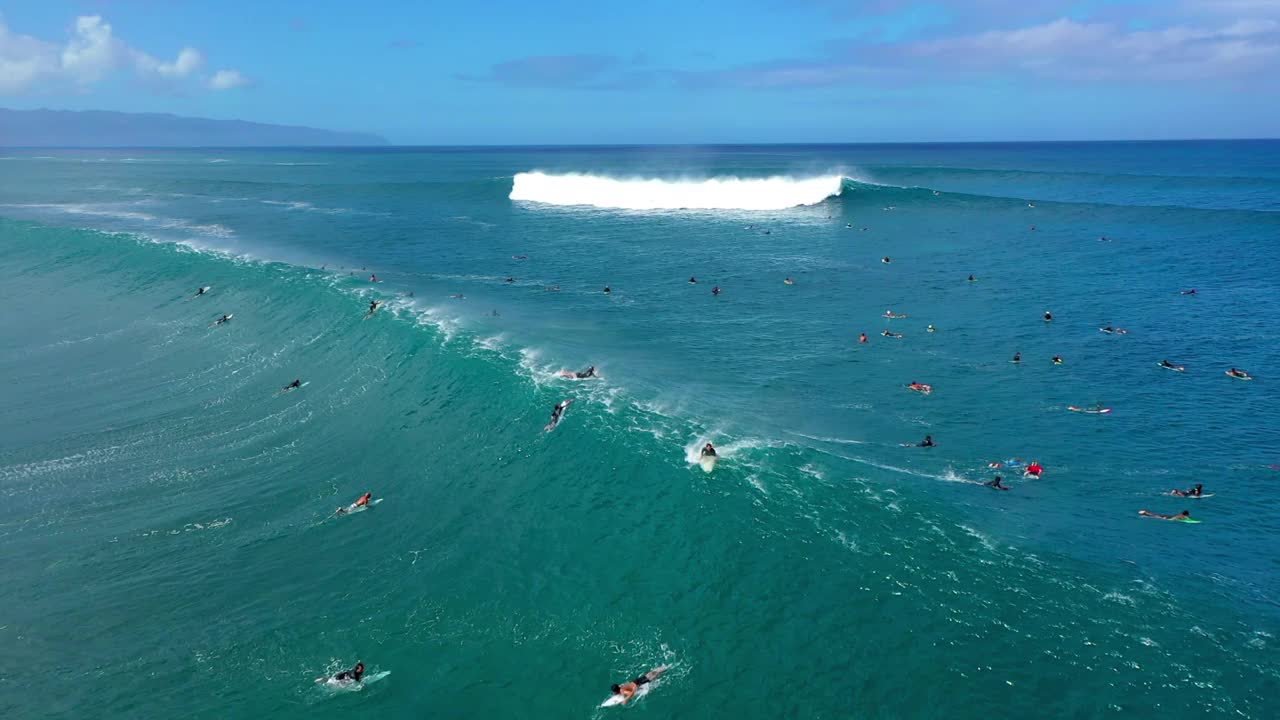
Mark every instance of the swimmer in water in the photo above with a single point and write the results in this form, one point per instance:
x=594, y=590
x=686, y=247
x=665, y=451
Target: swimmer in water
x=693, y=281
x=373, y=278
x=1184, y=515
x=1057, y=359
x=885, y=260
x=1195, y=492
x=931, y=329
x=926, y=442
x=789, y=281
x=973, y=279
x=715, y=290
x=862, y=338
x=1167, y=364
x=1048, y=316
x=627, y=690
x=997, y=484
x=607, y=290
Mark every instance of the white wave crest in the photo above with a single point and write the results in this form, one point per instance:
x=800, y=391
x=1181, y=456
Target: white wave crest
x=718, y=193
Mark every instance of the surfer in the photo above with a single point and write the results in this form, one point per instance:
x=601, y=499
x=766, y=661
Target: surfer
x=607, y=290
x=1048, y=316
x=223, y=319
x=1192, y=291
x=926, y=442
x=509, y=280
x=1239, y=374
x=373, y=278
x=973, y=279
x=715, y=290
x=888, y=333
x=1115, y=331
x=862, y=338
x=708, y=450
x=1057, y=359
x=931, y=329
x=374, y=305
x=200, y=292
x=557, y=411
x=626, y=690
x=1195, y=492
x=590, y=372
x=362, y=501
x=693, y=281
x=1167, y=364
x=1184, y=515
x=1034, y=468
x=1017, y=357
x=885, y=260
x=996, y=484
x=552, y=288
x=789, y=281
x=292, y=386
x=352, y=675
x=920, y=387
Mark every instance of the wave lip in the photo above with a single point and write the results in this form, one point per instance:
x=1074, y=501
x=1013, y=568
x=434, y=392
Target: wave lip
x=718, y=193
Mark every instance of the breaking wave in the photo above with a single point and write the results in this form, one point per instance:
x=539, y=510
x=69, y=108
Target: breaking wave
x=717, y=193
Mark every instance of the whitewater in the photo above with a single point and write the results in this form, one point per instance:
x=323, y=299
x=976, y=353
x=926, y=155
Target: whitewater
x=175, y=512
x=716, y=193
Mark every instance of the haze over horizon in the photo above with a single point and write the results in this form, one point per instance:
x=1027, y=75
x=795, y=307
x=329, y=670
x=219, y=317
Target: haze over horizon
x=811, y=71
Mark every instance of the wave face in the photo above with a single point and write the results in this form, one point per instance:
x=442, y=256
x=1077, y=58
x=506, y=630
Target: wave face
x=718, y=193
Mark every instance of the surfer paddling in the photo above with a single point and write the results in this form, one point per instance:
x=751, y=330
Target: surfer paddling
x=363, y=501
x=222, y=320
x=1195, y=492
x=922, y=388
x=627, y=690
x=1183, y=516
x=354, y=675
x=200, y=292
x=926, y=442
x=997, y=484
x=708, y=450
x=1239, y=374
x=297, y=383
x=373, y=307
x=590, y=372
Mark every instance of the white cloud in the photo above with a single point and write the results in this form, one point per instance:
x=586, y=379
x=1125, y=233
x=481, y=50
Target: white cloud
x=1066, y=48
x=227, y=79
x=90, y=55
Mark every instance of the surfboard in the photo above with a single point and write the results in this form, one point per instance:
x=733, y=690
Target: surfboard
x=552, y=425
x=1175, y=368
x=1088, y=411
x=1191, y=497
x=1117, y=331
x=1189, y=521
x=708, y=462
x=215, y=322
x=1237, y=377
x=374, y=310
x=203, y=291
x=921, y=388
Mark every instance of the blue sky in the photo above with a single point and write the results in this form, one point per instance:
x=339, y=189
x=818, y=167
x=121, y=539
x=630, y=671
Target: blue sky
x=658, y=71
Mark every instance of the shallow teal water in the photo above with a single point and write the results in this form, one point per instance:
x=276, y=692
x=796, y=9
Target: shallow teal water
x=167, y=528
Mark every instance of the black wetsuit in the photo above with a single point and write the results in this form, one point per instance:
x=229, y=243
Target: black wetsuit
x=351, y=674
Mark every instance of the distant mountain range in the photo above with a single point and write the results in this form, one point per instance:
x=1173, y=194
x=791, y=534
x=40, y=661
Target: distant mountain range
x=96, y=128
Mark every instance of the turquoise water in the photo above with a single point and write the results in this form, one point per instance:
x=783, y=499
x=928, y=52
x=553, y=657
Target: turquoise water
x=169, y=543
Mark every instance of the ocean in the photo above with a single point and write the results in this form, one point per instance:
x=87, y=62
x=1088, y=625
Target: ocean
x=168, y=526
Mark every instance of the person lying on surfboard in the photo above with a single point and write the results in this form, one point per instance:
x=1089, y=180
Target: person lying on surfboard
x=888, y=333
x=200, y=292
x=352, y=675
x=1171, y=366
x=557, y=411
x=1033, y=469
x=1192, y=291
x=223, y=319
x=1196, y=491
x=1184, y=515
x=920, y=387
x=588, y=373
x=1017, y=357
x=926, y=442
x=1238, y=374
x=626, y=690
x=996, y=484
x=708, y=450
x=297, y=383
x=1115, y=331
x=362, y=502
x=1057, y=359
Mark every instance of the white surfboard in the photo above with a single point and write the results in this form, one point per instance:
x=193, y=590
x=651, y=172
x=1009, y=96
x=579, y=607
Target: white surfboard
x=353, y=508
x=215, y=323
x=708, y=462
x=552, y=425
x=351, y=685
x=639, y=693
